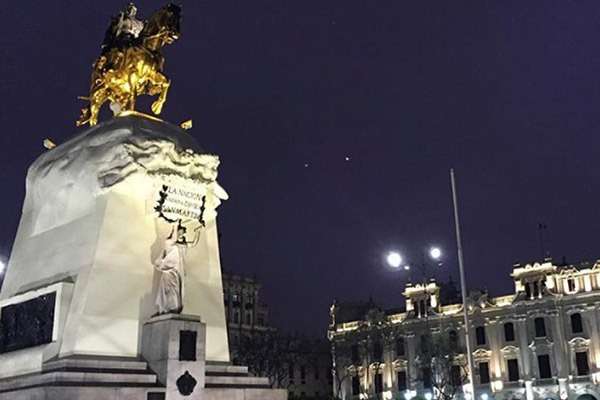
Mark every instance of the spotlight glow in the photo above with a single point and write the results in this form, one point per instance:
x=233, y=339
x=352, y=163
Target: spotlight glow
x=435, y=253
x=2, y=267
x=394, y=259
x=407, y=267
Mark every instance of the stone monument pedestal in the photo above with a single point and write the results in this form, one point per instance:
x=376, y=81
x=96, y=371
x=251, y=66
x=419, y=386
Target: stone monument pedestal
x=82, y=283
x=174, y=347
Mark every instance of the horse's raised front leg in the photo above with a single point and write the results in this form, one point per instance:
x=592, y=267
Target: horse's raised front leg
x=85, y=117
x=161, y=87
x=96, y=100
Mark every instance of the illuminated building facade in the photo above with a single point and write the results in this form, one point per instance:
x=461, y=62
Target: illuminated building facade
x=245, y=314
x=541, y=342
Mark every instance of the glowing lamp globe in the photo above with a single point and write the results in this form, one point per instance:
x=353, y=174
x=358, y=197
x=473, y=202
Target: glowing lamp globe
x=435, y=253
x=394, y=259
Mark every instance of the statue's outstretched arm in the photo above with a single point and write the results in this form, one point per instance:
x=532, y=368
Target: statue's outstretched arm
x=196, y=238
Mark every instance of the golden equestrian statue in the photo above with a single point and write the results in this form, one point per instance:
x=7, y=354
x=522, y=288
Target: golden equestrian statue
x=131, y=62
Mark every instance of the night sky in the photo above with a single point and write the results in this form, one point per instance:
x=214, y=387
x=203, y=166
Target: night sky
x=337, y=123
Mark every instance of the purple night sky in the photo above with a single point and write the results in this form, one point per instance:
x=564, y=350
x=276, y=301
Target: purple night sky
x=337, y=123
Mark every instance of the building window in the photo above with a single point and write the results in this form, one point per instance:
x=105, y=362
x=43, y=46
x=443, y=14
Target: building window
x=423, y=310
x=536, y=290
x=453, y=339
x=425, y=341
x=571, y=284
x=236, y=317
x=427, y=384
x=402, y=381
x=509, y=332
x=581, y=360
x=484, y=373
x=400, y=347
x=540, y=327
x=480, y=335
x=355, y=386
x=261, y=319
x=576, y=323
x=544, y=366
x=303, y=374
x=354, y=351
x=528, y=290
x=455, y=376
x=513, y=370
x=378, y=383
x=248, y=319
x=377, y=351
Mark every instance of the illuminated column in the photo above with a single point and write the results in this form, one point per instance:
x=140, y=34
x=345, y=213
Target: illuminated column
x=560, y=348
x=411, y=373
x=590, y=321
x=388, y=359
x=495, y=336
x=523, y=335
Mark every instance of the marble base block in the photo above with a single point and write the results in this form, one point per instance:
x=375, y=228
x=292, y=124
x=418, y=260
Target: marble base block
x=174, y=347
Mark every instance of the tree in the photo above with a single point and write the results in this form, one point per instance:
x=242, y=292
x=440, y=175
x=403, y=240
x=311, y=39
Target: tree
x=269, y=355
x=441, y=364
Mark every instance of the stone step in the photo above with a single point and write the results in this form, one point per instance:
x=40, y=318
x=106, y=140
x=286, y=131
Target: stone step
x=96, y=364
x=225, y=370
x=58, y=378
x=246, y=393
x=236, y=382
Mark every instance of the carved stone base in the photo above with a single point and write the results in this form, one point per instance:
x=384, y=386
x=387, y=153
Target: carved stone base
x=174, y=347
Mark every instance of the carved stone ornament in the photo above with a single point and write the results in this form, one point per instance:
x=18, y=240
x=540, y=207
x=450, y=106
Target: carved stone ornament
x=186, y=384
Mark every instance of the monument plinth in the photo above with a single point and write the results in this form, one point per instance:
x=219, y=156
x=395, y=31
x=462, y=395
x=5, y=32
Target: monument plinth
x=82, y=291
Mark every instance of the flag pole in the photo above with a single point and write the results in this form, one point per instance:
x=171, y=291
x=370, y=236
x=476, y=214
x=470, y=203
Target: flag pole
x=463, y=285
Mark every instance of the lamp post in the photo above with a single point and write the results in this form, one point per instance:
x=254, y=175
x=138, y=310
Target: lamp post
x=463, y=285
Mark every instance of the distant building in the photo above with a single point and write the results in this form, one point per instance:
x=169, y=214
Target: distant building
x=309, y=377
x=541, y=342
x=244, y=312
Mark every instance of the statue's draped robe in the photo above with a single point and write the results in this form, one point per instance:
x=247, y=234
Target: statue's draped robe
x=169, y=296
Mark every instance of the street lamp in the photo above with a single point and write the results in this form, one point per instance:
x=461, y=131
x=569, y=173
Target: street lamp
x=435, y=253
x=394, y=259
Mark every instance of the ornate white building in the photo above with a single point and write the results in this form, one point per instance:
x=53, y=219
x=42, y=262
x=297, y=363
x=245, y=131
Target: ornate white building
x=541, y=342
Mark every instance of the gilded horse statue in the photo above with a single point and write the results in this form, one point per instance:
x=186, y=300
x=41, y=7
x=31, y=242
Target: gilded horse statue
x=131, y=62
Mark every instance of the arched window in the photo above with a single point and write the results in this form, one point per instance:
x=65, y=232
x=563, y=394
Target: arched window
x=576, y=323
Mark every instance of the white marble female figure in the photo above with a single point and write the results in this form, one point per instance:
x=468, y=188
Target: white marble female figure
x=171, y=265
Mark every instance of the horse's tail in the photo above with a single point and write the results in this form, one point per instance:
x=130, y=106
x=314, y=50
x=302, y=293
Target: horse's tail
x=85, y=98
